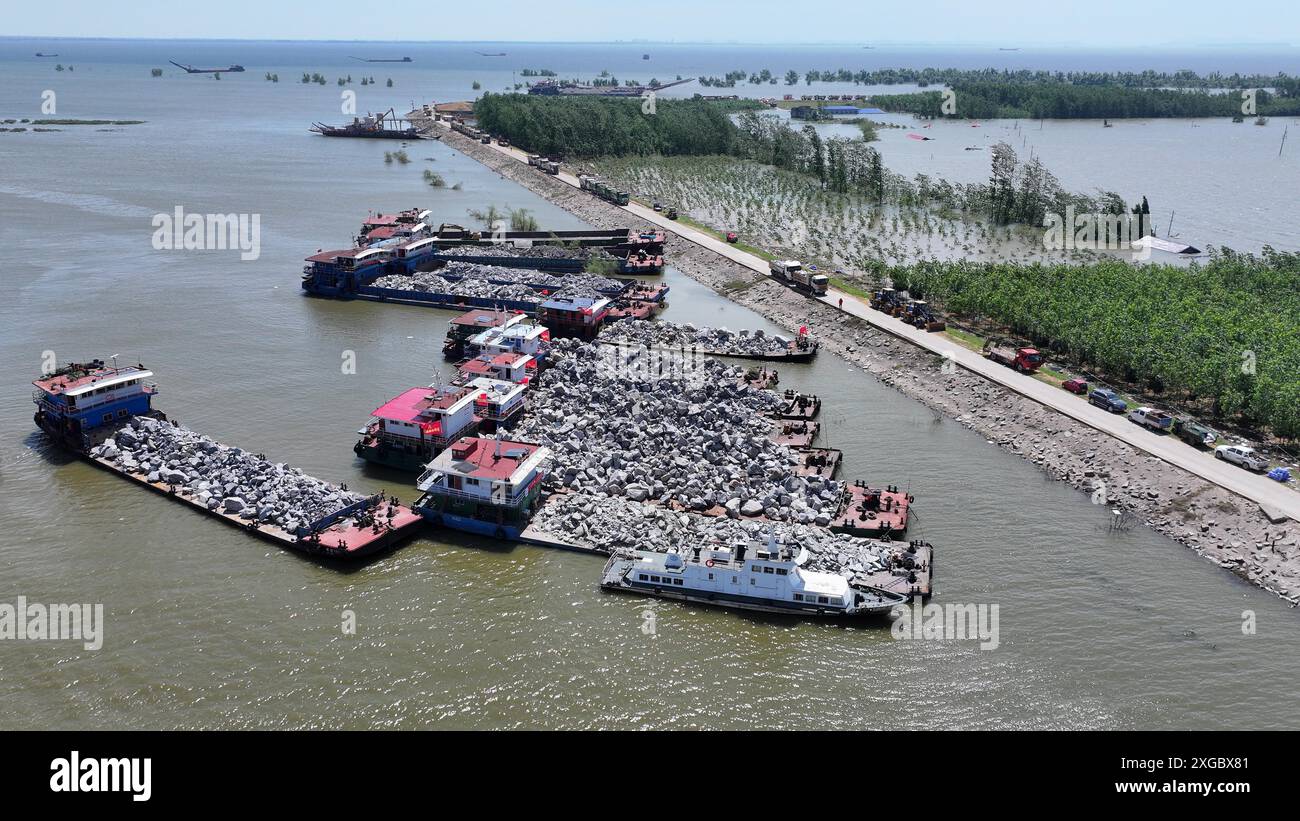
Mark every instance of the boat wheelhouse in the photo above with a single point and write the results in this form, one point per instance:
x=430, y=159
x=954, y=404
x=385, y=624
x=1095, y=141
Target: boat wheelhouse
x=770, y=578
x=471, y=324
x=497, y=403
x=581, y=316
x=81, y=403
x=408, y=218
x=485, y=486
x=519, y=368
x=517, y=338
x=414, y=426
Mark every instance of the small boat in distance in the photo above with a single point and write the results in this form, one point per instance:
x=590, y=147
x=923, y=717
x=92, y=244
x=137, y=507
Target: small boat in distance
x=193, y=70
x=383, y=59
x=41, y=54
x=490, y=53
x=768, y=578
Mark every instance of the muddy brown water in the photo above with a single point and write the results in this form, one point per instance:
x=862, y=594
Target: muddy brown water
x=207, y=627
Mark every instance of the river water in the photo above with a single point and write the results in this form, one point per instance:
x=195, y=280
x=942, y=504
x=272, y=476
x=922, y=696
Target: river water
x=207, y=627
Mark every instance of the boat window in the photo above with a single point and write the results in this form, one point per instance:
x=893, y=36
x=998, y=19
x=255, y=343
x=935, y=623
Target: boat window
x=108, y=417
x=768, y=570
x=836, y=601
x=822, y=600
x=643, y=577
x=756, y=568
x=121, y=414
x=798, y=597
x=710, y=577
x=781, y=571
x=677, y=582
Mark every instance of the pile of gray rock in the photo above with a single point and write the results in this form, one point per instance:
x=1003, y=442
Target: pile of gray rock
x=662, y=334
x=509, y=251
x=492, y=282
x=609, y=524
x=221, y=478
x=637, y=426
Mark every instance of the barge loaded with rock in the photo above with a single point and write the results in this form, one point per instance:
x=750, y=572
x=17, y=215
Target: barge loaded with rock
x=104, y=414
x=688, y=338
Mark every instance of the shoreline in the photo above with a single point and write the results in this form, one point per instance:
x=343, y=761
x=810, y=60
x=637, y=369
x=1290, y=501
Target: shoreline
x=1215, y=523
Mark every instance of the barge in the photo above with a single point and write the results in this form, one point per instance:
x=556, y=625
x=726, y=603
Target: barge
x=823, y=463
x=485, y=486
x=873, y=512
x=795, y=433
x=767, y=578
x=797, y=405
x=98, y=411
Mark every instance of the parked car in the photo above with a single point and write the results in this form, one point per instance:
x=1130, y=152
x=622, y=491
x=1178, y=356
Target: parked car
x=658, y=206
x=1242, y=456
x=1107, y=399
x=732, y=236
x=1194, y=433
x=1079, y=386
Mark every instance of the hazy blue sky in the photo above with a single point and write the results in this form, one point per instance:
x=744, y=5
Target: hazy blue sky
x=1121, y=23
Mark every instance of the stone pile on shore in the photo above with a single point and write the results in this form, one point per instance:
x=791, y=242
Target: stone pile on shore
x=609, y=524
x=678, y=336
x=222, y=478
x=628, y=424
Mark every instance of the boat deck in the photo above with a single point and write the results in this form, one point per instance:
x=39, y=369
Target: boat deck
x=799, y=406
x=795, y=434
x=860, y=517
x=823, y=462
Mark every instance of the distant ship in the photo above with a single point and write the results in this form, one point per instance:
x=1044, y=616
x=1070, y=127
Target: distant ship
x=645, y=56
x=193, y=70
x=383, y=59
x=40, y=54
x=490, y=53
x=386, y=126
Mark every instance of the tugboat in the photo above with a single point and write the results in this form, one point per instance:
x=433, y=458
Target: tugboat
x=769, y=578
x=81, y=404
x=413, y=427
x=484, y=486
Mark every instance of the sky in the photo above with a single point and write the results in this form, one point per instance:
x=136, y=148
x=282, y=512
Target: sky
x=1024, y=23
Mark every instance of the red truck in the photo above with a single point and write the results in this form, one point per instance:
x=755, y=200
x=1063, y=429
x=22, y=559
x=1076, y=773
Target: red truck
x=1025, y=360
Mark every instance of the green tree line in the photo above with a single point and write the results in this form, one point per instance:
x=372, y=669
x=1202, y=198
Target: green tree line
x=986, y=100
x=1227, y=331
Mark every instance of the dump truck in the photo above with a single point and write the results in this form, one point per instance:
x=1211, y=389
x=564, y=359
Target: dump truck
x=792, y=273
x=1025, y=360
x=1194, y=433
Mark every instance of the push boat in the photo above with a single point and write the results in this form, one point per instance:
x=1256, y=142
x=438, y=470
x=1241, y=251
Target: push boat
x=485, y=486
x=472, y=323
x=411, y=428
x=769, y=578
